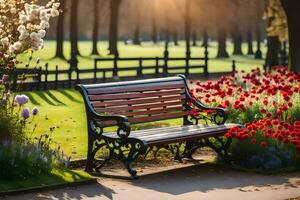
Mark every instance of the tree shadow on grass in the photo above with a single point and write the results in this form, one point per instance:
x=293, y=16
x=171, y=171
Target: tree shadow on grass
x=68, y=95
x=32, y=99
x=45, y=98
x=53, y=97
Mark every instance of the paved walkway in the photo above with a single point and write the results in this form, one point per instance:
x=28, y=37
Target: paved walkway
x=194, y=182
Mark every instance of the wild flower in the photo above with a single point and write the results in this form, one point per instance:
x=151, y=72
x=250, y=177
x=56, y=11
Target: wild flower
x=26, y=113
x=21, y=99
x=35, y=111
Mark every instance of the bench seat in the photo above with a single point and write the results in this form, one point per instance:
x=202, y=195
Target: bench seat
x=159, y=136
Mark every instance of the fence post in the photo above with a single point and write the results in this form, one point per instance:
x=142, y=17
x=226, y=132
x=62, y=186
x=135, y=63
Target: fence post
x=165, y=68
x=56, y=77
x=104, y=75
x=233, y=66
x=115, y=70
x=187, y=65
x=140, y=69
x=46, y=77
x=77, y=75
x=156, y=66
x=206, y=74
x=70, y=77
x=39, y=78
x=95, y=70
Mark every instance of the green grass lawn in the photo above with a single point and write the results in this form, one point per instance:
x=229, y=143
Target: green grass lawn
x=56, y=177
x=64, y=109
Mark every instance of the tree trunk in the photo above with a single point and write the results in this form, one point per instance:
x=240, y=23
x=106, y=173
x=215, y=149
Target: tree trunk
x=175, y=38
x=194, y=39
x=113, y=26
x=205, y=39
x=136, y=36
x=273, y=51
x=154, y=25
x=188, y=27
x=291, y=8
x=250, y=43
x=222, y=53
x=74, y=28
x=95, y=28
x=258, y=53
x=60, y=31
x=237, y=41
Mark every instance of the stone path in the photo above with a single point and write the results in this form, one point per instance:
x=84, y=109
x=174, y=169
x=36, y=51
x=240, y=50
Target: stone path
x=204, y=181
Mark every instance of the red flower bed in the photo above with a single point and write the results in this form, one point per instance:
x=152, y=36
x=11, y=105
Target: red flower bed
x=266, y=103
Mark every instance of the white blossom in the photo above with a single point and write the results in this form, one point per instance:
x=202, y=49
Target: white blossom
x=54, y=12
x=5, y=41
x=17, y=45
x=42, y=33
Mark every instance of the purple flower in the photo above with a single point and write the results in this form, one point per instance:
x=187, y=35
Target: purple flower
x=8, y=95
x=26, y=113
x=35, y=111
x=21, y=99
x=4, y=78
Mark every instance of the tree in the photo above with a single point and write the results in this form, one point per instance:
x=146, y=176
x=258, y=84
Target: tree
x=237, y=40
x=291, y=8
x=113, y=26
x=188, y=27
x=222, y=53
x=136, y=36
x=60, y=31
x=272, y=41
x=205, y=38
x=95, y=27
x=154, y=25
x=236, y=32
x=74, y=28
x=250, y=43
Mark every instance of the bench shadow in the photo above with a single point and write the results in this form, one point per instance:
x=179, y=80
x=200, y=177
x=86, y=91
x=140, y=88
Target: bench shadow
x=204, y=178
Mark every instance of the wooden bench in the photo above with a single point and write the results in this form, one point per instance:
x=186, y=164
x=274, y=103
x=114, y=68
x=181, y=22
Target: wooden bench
x=122, y=104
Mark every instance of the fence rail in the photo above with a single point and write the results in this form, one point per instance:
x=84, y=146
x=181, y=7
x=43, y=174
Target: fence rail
x=44, y=79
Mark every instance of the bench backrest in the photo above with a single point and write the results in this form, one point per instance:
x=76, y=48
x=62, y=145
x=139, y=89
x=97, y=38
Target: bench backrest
x=141, y=101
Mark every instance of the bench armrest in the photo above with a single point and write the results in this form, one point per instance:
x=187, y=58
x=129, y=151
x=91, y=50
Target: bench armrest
x=218, y=116
x=123, y=124
x=122, y=121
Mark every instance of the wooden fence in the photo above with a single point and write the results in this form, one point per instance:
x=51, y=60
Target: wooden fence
x=149, y=67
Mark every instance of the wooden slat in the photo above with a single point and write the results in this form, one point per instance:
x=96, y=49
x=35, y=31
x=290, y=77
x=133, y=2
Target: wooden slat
x=186, y=138
x=175, y=131
x=134, y=88
x=166, y=135
x=135, y=95
x=151, y=118
x=140, y=106
x=149, y=112
x=138, y=101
